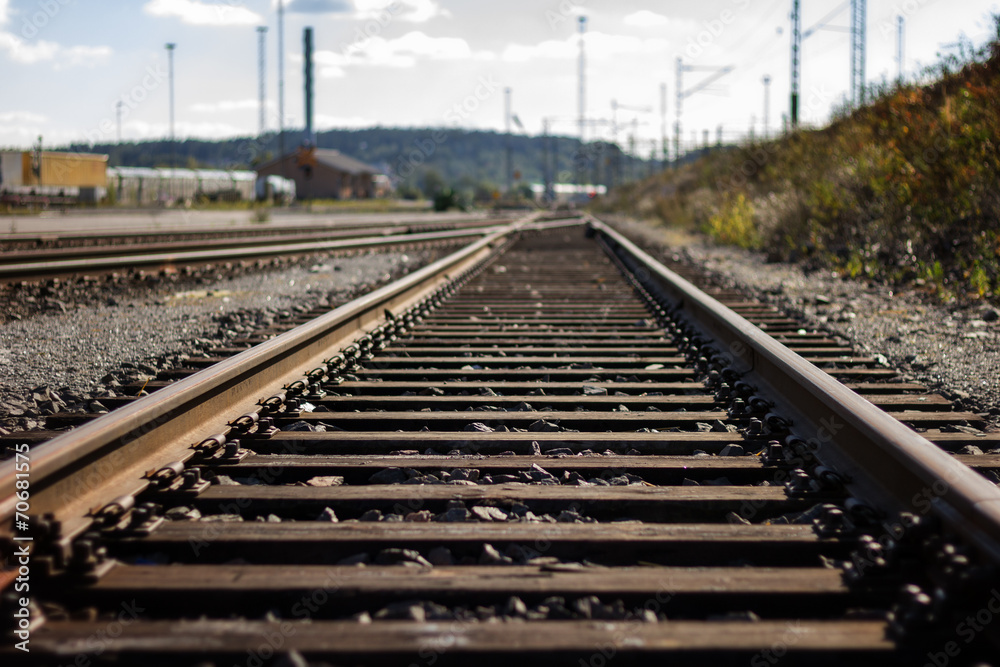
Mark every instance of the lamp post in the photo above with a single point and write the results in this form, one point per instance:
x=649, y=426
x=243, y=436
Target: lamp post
x=767, y=104
x=170, y=66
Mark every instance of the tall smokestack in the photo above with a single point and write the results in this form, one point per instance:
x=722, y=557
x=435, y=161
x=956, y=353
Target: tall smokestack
x=308, y=47
x=583, y=78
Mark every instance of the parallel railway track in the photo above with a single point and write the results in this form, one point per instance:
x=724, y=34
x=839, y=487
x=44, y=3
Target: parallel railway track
x=94, y=238
x=154, y=253
x=545, y=447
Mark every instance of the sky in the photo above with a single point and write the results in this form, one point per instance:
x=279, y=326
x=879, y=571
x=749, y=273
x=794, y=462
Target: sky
x=68, y=66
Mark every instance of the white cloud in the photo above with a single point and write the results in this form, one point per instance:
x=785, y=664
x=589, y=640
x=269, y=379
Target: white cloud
x=197, y=12
x=414, y=11
x=31, y=52
x=599, y=46
x=4, y=6
x=401, y=52
x=228, y=105
x=325, y=122
x=318, y=6
x=550, y=48
x=207, y=130
x=27, y=53
x=22, y=117
x=645, y=19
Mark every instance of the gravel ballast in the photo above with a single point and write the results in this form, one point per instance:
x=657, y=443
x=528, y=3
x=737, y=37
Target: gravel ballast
x=953, y=348
x=75, y=353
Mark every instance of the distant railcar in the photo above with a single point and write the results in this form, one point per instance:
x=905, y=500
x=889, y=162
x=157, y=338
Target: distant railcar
x=46, y=178
x=140, y=186
x=275, y=189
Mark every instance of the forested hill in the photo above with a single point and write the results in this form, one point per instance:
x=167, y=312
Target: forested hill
x=420, y=158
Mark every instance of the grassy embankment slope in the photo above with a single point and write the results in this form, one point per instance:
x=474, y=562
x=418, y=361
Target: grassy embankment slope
x=905, y=189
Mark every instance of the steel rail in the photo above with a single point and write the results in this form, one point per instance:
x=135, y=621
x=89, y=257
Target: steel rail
x=735, y=586
x=230, y=241
x=21, y=270
x=79, y=472
x=344, y=222
x=83, y=242
x=885, y=463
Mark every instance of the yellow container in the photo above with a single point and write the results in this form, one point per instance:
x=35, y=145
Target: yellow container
x=85, y=170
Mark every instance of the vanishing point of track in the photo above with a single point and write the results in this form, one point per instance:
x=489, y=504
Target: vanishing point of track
x=545, y=447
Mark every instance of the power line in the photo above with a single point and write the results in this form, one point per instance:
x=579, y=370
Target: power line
x=716, y=74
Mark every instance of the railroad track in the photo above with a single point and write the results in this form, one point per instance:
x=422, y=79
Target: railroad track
x=546, y=447
x=351, y=226
x=154, y=255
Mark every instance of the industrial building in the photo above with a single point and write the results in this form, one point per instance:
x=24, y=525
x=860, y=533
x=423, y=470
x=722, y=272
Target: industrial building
x=324, y=174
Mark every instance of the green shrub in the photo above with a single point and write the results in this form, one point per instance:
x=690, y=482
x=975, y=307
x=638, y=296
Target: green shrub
x=734, y=223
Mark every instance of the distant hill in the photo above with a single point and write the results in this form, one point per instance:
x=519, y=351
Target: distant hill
x=425, y=159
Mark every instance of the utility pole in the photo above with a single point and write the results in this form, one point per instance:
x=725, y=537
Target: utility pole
x=170, y=66
x=614, y=168
x=508, y=163
x=307, y=74
x=546, y=159
x=767, y=104
x=900, y=47
x=663, y=125
x=716, y=74
x=679, y=87
x=796, y=62
x=554, y=172
x=857, y=31
x=118, y=114
x=583, y=80
x=262, y=77
x=859, y=22
x=281, y=84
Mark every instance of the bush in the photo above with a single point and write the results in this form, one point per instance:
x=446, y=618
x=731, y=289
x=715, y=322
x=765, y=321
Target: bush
x=734, y=223
x=902, y=189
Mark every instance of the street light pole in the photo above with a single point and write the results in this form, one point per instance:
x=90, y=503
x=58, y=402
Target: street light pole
x=508, y=163
x=170, y=66
x=767, y=103
x=118, y=114
x=262, y=78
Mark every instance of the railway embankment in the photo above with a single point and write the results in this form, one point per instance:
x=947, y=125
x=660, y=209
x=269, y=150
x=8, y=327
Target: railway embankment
x=902, y=190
